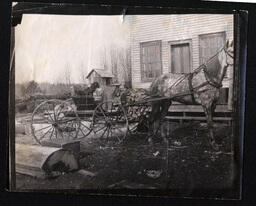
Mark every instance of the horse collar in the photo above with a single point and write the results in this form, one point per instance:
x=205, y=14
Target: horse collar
x=210, y=80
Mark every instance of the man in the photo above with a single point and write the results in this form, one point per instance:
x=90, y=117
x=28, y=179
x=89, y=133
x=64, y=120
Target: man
x=98, y=94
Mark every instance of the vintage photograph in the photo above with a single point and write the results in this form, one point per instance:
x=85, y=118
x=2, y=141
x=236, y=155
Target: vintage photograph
x=126, y=102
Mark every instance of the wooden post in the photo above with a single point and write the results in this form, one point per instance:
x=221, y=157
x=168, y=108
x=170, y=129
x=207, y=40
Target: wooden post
x=230, y=91
x=15, y=19
x=11, y=112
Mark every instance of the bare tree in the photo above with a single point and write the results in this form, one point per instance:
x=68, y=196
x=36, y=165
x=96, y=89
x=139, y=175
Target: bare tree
x=67, y=74
x=103, y=59
x=125, y=65
x=119, y=63
x=114, y=63
x=32, y=88
x=83, y=73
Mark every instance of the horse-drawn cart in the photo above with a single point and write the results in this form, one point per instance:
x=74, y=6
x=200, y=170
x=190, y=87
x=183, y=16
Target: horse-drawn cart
x=80, y=116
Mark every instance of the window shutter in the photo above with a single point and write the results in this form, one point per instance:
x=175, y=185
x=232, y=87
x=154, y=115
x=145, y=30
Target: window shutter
x=186, y=58
x=209, y=45
x=180, y=58
x=151, y=65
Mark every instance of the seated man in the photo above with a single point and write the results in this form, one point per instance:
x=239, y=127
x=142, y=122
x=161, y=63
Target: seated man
x=116, y=93
x=98, y=94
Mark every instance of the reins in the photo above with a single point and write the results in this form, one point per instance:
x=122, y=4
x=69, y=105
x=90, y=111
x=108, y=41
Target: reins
x=196, y=71
x=190, y=75
x=211, y=81
x=231, y=56
x=203, y=67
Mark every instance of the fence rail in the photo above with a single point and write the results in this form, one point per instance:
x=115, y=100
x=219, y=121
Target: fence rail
x=182, y=113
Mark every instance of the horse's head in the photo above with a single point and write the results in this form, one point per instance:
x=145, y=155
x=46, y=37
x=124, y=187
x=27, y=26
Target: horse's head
x=217, y=66
x=226, y=58
x=229, y=52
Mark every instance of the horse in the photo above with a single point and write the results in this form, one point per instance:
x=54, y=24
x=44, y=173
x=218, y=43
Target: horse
x=201, y=87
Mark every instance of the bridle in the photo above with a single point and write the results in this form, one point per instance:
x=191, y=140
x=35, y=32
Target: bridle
x=228, y=54
x=210, y=80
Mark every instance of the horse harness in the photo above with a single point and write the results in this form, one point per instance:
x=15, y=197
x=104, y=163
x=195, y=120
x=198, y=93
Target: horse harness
x=189, y=76
x=209, y=80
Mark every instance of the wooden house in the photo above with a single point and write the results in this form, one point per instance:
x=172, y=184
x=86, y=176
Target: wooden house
x=103, y=77
x=178, y=44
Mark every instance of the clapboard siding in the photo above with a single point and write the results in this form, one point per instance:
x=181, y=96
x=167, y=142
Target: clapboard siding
x=168, y=28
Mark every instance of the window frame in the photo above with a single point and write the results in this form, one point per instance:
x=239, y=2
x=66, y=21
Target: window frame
x=178, y=42
x=142, y=44
x=221, y=33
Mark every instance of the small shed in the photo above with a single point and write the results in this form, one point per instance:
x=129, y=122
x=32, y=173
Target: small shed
x=103, y=77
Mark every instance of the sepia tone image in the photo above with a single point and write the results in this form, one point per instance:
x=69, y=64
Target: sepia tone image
x=134, y=102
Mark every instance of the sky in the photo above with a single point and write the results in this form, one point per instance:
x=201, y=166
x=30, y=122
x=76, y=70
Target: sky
x=46, y=45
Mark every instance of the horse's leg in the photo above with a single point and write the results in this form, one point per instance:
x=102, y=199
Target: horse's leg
x=164, y=111
x=154, y=119
x=209, y=109
x=165, y=104
x=214, y=144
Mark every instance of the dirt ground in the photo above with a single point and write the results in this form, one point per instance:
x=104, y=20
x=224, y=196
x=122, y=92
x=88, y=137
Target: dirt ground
x=186, y=164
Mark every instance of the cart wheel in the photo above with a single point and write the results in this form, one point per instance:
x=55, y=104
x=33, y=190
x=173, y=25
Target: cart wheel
x=85, y=128
x=54, y=119
x=110, y=121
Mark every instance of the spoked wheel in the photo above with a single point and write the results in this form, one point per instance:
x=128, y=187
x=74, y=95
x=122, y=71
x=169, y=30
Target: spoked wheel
x=110, y=121
x=54, y=119
x=85, y=128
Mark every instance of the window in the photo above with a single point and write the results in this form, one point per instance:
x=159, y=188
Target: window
x=108, y=81
x=151, y=60
x=180, y=56
x=210, y=44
